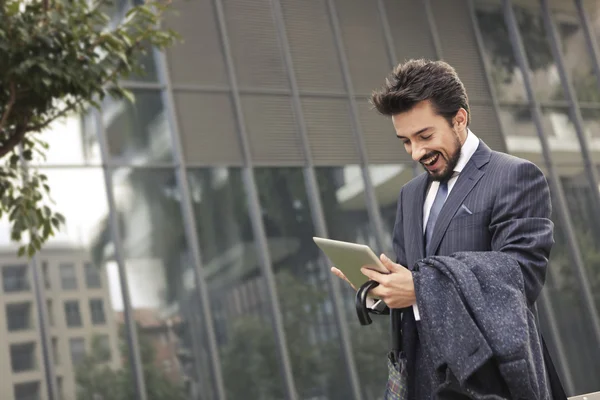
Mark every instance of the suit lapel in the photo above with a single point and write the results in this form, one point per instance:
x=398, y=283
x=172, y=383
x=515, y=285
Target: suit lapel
x=465, y=183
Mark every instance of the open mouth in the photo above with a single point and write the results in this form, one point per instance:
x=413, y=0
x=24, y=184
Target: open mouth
x=432, y=162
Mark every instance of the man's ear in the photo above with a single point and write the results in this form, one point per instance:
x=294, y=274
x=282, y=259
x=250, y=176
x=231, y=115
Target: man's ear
x=461, y=118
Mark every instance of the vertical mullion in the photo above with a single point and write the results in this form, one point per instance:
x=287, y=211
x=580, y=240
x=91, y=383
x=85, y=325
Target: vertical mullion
x=255, y=210
x=189, y=219
x=135, y=357
x=559, y=196
x=590, y=168
x=393, y=57
x=589, y=39
x=437, y=43
x=487, y=70
x=44, y=329
x=39, y=290
x=372, y=205
x=544, y=301
x=314, y=199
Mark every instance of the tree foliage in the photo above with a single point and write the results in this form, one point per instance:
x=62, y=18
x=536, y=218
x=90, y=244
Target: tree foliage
x=97, y=380
x=58, y=57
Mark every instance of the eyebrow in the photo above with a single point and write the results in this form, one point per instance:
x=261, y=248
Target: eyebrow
x=416, y=133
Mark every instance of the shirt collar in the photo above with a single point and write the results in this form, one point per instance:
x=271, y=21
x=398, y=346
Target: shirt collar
x=466, y=152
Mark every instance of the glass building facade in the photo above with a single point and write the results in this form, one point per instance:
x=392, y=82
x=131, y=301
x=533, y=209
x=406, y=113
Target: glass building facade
x=186, y=269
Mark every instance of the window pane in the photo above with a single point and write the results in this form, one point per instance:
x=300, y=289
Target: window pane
x=236, y=286
x=137, y=133
x=27, y=391
x=77, y=350
x=23, y=357
x=546, y=81
x=50, y=310
x=18, y=317
x=46, y=275
x=55, y=351
x=97, y=312
x=92, y=276
x=562, y=287
x=302, y=283
x=505, y=74
x=72, y=314
x=15, y=278
x=72, y=140
x=158, y=267
x=68, y=277
x=79, y=194
x=575, y=53
x=343, y=199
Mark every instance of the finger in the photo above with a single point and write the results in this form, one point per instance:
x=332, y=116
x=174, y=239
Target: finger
x=389, y=264
x=372, y=275
x=341, y=275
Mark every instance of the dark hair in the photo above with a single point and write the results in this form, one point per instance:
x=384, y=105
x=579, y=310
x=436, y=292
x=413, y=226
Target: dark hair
x=418, y=80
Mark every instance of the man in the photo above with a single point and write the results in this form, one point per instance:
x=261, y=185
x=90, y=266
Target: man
x=471, y=199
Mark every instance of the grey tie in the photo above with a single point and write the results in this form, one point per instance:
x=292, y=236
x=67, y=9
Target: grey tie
x=440, y=198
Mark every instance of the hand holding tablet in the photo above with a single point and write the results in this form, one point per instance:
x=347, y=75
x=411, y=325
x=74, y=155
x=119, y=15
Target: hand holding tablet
x=349, y=258
x=357, y=264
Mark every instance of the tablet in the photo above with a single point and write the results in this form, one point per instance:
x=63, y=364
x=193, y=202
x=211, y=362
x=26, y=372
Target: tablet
x=350, y=257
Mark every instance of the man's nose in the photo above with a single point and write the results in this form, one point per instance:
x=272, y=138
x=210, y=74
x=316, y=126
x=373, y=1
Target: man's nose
x=418, y=153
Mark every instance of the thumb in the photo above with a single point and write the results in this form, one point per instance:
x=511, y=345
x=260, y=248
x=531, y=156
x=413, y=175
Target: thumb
x=389, y=264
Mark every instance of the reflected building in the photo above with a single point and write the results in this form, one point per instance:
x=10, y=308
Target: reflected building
x=198, y=202
x=78, y=311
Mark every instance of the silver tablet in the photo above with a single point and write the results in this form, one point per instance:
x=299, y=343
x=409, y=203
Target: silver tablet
x=350, y=257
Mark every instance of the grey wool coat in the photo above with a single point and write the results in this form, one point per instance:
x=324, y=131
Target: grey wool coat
x=480, y=336
x=499, y=203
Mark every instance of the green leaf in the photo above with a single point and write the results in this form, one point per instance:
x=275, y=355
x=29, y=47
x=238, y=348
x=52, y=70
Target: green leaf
x=22, y=250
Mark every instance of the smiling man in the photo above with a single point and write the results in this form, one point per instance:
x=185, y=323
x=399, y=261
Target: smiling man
x=474, y=212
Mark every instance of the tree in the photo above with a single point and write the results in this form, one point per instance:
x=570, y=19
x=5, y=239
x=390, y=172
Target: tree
x=59, y=57
x=250, y=362
x=98, y=381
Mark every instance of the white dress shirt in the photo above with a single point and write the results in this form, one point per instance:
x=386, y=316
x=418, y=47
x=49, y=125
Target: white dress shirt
x=466, y=152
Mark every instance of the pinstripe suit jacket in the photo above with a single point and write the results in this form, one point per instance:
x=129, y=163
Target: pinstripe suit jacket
x=499, y=203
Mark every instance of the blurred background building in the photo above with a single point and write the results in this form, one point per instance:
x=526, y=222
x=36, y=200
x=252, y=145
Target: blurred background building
x=190, y=214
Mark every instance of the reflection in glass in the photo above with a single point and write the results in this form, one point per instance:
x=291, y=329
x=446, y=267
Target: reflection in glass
x=236, y=286
x=564, y=292
x=546, y=80
x=72, y=141
x=505, y=74
x=575, y=53
x=562, y=286
x=80, y=196
x=343, y=199
x=387, y=182
x=302, y=283
x=137, y=133
x=159, y=272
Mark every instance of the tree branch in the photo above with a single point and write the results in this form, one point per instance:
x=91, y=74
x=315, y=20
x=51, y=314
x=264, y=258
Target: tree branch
x=9, y=105
x=15, y=139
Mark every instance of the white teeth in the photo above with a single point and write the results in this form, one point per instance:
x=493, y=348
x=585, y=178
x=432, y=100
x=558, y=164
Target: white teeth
x=431, y=160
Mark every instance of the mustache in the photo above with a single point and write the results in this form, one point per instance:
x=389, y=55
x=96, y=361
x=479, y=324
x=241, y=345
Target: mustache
x=428, y=155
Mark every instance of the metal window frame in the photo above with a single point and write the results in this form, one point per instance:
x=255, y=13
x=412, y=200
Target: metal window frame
x=560, y=200
x=577, y=119
x=544, y=300
x=254, y=209
x=131, y=333
x=191, y=234
x=590, y=39
x=371, y=200
x=314, y=198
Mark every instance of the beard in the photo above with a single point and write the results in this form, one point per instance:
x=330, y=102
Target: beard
x=448, y=170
